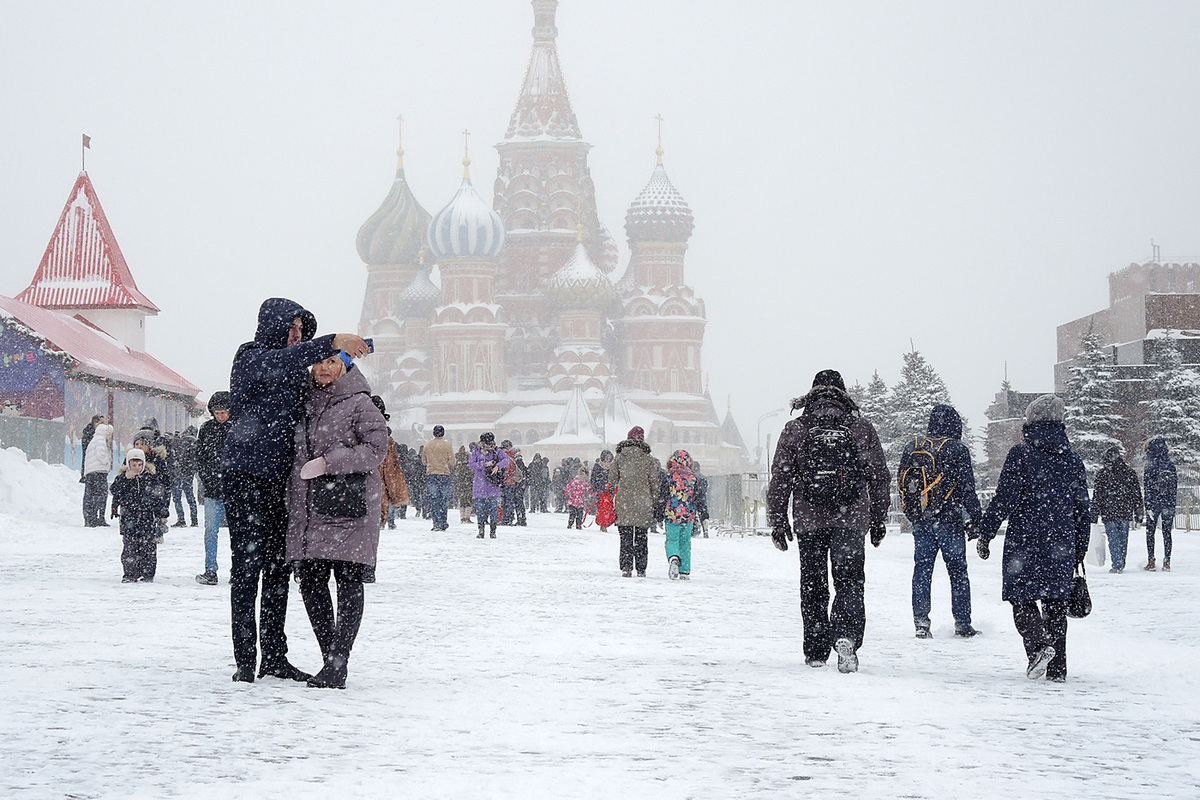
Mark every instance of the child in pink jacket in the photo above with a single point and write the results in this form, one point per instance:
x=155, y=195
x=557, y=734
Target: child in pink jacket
x=577, y=493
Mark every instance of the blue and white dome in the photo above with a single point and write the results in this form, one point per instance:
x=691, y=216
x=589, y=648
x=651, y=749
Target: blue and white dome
x=467, y=227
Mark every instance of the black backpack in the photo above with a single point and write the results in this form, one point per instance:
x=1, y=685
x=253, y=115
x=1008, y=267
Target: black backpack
x=831, y=476
x=924, y=488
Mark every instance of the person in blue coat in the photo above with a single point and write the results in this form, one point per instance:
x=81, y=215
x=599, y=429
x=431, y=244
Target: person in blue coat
x=945, y=529
x=1043, y=494
x=1161, y=486
x=267, y=385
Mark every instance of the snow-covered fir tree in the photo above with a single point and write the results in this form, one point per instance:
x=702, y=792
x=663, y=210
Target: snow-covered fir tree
x=1090, y=401
x=873, y=402
x=920, y=388
x=1173, y=412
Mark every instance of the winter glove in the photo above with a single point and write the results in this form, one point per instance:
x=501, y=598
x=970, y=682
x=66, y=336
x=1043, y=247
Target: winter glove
x=984, y=548
x=972, y=532
x=781, y=537
x=878, y=531
x=313, y=468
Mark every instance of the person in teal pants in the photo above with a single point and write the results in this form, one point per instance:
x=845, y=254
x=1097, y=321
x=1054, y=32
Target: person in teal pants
x=679, y=513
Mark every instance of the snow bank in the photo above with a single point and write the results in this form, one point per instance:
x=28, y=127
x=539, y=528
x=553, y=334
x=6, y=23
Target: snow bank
x=37, y=490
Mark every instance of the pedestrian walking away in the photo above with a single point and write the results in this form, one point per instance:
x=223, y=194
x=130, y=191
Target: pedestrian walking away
x=1043, y=494
x=210, y=449
x=679, y=514
x=438, y=458
x=268, y=387
x=464, y=481
x=183, y=475
x=1117, y=499
x=602, y=490
x=395, y=488
x=635, y=474
x=1162, y=486
x=937, y=493
x=577, y=494
x=829, y=471
x=333, y=493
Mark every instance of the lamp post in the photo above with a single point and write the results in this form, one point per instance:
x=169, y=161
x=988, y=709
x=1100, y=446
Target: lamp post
x=758, y=451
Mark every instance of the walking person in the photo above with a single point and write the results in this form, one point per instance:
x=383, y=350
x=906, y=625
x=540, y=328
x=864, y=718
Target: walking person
x=1043, y=494
x=601, y=486
x=1117, y=498
x=558, y=484
x=391, y=473
x=830, y=469
x=333, y=493
x=268, y=387
x=1162, y=486
x=97, y=463
x=183, y=475
x=679, y=514
x=85, y=438
x=464, y=483
x=635, y=475
x=143, y=503
x=701, y=500
x=509, y=499
x=210, y=449
x=937, y=493
x=577, y=499
x=488, y=464
x=438, y=458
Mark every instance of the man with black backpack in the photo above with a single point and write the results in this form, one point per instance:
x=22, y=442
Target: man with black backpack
x=830, y=468
x=937, y=492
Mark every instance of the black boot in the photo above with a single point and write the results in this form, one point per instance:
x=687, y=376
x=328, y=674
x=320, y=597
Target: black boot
x=244, y=675
x=282, y=669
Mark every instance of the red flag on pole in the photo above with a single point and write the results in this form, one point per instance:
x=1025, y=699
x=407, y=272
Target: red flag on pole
x=87, y=141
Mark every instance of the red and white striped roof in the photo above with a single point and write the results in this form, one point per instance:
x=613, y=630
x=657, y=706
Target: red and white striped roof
x=83, y=266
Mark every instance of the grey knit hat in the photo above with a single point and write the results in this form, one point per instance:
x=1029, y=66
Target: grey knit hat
x=1047, y=408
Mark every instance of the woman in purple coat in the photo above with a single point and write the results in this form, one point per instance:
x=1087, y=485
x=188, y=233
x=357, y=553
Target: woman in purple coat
x=334, y=496
x=488, y=463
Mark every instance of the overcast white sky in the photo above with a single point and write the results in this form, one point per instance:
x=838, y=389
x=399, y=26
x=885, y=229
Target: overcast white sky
x=961, y=174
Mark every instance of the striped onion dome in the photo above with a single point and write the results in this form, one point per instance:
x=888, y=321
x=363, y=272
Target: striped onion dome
x=420, y=297
x=579, y=283
x=659, y=213
x=395, y=233
x=467, y=227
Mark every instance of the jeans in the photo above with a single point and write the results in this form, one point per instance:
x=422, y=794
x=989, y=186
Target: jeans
x=1117, y=532
x=514, y=506
x=438, y=490
x=214, y=515
x=487, y=512
x=679, y=543
x=634, y=550
x=257, y=538
x=844, y=550
x=574, y=517
x=1042, y=627
x=1167, y=517
x=951, y=539
x=180, y=489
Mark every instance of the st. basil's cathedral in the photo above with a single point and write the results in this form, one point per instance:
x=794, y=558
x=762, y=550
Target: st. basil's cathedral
x=526, y=333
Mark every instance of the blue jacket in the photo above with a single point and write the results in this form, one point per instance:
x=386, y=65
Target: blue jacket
x=955, y=459
x=267, y=388
x=1159, y=480
x=1043, y=493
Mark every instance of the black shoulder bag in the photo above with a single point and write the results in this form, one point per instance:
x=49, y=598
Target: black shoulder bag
x=342, y=496
x=1079, y=605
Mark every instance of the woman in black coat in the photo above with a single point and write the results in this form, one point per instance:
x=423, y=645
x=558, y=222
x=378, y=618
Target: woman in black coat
x=1042, y=492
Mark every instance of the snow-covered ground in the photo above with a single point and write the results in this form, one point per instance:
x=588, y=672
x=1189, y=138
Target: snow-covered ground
x=526, y=667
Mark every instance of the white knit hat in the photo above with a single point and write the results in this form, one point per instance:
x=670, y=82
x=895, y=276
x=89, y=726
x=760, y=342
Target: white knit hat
x=134, y=454
x=1047, y=408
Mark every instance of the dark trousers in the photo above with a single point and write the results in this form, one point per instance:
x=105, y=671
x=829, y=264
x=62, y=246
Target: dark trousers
x=512, y=507
x=179, y=490
x=95, y=498
x=823, y=626
x=335, y=634
x=257, y=532
x=634, y=551
x=575, y=517
x=139, y=556
x=1153, y=518
x=1044, y=626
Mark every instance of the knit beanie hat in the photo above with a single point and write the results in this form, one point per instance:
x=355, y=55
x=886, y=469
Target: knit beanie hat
x=636, y=433
x=134, y=454
x=1047, y=408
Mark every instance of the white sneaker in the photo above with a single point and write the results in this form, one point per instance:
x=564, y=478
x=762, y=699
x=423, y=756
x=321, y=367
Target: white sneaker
x=673, y=568
x=847, y=657
x=1038, y=664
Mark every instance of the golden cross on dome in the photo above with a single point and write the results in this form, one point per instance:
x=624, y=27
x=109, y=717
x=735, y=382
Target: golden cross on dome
x=466, y=154
x=659, y=151
x=400, y=141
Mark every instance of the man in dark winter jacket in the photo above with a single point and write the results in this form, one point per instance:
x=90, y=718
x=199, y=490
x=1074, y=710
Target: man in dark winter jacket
x=1162, y=485
x=939, y=466
x=1042, y=492
x=1117, y=498
x=210, y=447
x=183, y=474
x=635, y=474
x=268, y=385
x=829, y=468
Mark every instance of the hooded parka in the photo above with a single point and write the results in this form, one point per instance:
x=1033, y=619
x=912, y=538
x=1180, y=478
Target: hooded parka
x=635, y=474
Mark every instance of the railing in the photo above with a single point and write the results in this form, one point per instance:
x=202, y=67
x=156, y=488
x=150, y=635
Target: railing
x=37, y=438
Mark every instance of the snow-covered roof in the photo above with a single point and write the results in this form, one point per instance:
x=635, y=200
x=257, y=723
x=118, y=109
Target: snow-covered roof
x=579, y=283
x=526, y=415
x=83, y=266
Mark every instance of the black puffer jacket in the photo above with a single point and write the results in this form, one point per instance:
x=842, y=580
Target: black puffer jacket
x=1118, y=493
x=210, y=447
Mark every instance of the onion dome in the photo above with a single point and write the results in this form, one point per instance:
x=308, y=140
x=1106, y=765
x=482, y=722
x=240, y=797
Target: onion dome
x=659, y=213
x=421, y=296
x=396, y=232
x=467, y=227
x=579, y=283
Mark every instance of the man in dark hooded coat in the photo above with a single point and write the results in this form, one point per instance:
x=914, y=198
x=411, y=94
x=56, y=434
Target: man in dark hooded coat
x=1162, y=486
x=944, y=529
x=1117, y=498
x=268, y=385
